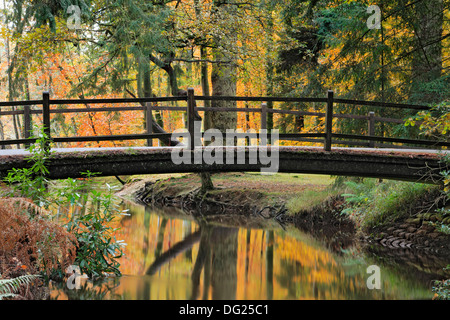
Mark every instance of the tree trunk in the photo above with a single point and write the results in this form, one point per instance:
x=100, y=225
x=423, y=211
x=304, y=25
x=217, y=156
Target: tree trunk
x=11, y=91
x=223, y=79
x=207, y=183
x=223, y=84
x=270, y=68
x=204, y=75
x=427, y=61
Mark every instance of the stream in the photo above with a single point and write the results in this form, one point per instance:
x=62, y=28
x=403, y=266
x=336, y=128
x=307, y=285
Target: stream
x=171, y=256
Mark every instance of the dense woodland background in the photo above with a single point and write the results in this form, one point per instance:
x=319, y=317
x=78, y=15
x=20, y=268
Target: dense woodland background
x=293, y=48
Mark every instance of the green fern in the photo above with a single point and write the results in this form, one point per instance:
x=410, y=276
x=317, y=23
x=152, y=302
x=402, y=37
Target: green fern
x=10, y=287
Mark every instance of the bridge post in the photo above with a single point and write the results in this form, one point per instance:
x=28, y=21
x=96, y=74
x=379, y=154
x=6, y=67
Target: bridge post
x=329, y=121
x=371, y=128
x=149, y=122
x=26, y=124
x=2, y=146
x=191, y=116
x=264, y=116
x=46, y=114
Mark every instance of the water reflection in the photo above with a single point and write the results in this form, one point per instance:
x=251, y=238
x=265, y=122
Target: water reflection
x=170, y=256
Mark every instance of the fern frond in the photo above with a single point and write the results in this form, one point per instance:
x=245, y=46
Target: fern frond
x=8, y=295
x=22, y=204
x=12, y=286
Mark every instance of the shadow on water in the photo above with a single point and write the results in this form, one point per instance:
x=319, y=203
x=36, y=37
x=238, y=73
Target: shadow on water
x=172, y=256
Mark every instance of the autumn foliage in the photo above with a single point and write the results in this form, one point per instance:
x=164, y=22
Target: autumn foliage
x=30, y=241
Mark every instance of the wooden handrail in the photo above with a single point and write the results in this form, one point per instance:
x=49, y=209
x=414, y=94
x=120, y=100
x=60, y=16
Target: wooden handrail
x=148, y=104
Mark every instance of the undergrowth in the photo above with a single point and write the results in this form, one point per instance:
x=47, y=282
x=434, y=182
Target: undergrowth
x=11, y=288
x=35, y=240
x=372, y=203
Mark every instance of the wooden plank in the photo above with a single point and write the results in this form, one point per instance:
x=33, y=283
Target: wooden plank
x=46, y=112
x=26, y=124
x=16, y=141
x=287, y=136
x=264, y=116
x=169, y=108
x=116, y=100
x=19, y=103
x=382, y=104
x=215, y=109
x=329, y=121
x=301, y=113
x=259, y=99
x=82, y=110
x=191, y=117
x=371, y=128
x=113, y=138
x=393, y=140
x=9, y=113
x=350, y=143
x=382, y=119
x=295, y=112
x=149, y=122
x=112, y=109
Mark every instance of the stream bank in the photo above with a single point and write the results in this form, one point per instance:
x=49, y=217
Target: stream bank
x=246, y=195
x=246, y=199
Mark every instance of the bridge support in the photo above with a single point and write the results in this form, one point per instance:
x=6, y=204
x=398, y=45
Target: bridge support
x=191, y=116
x=329, y=121
x=46, y=115
x=418, y=167
x=371, y=128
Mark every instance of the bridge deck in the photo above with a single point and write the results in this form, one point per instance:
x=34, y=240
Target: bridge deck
x=384, y=151
x=400, y=164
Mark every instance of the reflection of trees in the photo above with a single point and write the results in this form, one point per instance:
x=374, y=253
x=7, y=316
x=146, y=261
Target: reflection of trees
x=224, y=244
x=217, y=256
x=286, y=279
x=146, y=284
x=269, y=263
x=203, y=261
x=100, y=289
x=309, y=272
x=178, y=248
x=160, y=241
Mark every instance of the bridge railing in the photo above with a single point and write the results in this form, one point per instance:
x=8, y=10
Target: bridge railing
x=328, y=137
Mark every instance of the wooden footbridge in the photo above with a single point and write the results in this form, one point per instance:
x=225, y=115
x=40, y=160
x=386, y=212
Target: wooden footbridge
x=365, y=155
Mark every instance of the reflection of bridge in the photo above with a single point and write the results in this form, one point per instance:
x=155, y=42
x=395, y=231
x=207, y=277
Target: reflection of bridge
x=403, y=160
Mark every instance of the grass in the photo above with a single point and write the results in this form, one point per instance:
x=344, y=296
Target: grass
x=309, y=199
x=290, y=178
x=373, y=203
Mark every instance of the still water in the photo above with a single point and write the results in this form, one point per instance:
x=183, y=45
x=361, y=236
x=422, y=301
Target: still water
x=171, y=256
